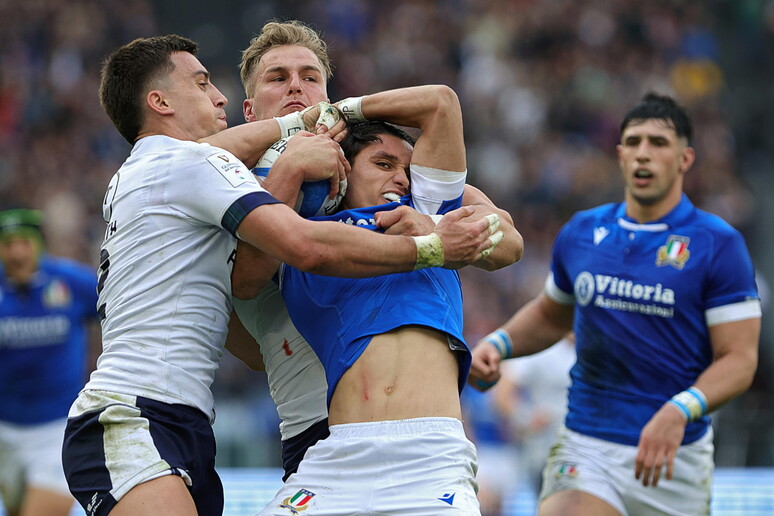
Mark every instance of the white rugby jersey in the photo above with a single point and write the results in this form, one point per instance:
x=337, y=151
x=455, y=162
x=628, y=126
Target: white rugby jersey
x=172, y=211
x=296, y=376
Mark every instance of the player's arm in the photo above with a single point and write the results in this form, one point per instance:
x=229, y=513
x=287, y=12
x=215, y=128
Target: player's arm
x=335, y=249
x=735, y=359
x=248, y=141
x=435, y=109
x=536, y=326
x=407, y=221
x=242, y=345
x=306, y=158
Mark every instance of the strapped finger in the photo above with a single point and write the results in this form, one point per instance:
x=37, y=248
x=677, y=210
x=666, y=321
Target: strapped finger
x=494, y=222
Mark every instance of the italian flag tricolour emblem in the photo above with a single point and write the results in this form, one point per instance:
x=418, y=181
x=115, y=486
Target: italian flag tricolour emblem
x=298, y=502
x=675, y=252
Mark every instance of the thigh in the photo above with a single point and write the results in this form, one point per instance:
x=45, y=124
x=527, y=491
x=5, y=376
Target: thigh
x=114, y=443
x=582, y=477
x=167, y=495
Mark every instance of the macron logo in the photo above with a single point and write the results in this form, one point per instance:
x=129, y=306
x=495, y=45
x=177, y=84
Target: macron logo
x=448, y=498
x=600, y=233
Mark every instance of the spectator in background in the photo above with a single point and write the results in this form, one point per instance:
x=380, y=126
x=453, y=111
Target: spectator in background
x=48, y=309
x=662, y=299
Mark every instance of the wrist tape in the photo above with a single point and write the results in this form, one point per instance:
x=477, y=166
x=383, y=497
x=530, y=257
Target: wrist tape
x=429, y=251
x=500, y=340
x=352, y=109
x=691, y=402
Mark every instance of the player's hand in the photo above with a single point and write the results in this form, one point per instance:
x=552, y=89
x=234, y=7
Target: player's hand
x=485, y=366
x=317, y=157
x=466, y=242
x=659, y=442
x=324, y=118
x=404, y=220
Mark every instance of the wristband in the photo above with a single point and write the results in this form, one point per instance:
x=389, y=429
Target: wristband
x=352, y=109
x=290, y=124
x=691, y=403
x=500, y=340
x=429, y=251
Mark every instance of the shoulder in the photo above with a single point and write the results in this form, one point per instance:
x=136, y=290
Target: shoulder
x=67, y=268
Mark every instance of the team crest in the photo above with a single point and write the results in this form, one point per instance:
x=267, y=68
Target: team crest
x=674, y=253
x=298, y=502
x=57, y=295
x=567, y=470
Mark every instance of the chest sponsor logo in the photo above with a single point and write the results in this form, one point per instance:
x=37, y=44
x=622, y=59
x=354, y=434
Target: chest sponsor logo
x=613, y=293
x=231, y=168
x=675, y=252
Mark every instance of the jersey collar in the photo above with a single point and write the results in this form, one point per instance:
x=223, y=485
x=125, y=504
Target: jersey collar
x=674, y=218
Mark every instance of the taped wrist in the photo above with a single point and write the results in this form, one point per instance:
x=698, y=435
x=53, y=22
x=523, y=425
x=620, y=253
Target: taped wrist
x=352, y=109
x=290, y=124
x=502, y=341
x=691, y=403
x=429, y=251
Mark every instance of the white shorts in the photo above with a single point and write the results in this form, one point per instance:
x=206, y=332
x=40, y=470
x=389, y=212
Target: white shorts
x=606, y=470
x=417, y=467
x=31, y=455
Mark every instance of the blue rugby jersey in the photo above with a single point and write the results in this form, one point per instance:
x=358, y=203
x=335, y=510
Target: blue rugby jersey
x=43, y=341
x=339, y=316
x=644, y=297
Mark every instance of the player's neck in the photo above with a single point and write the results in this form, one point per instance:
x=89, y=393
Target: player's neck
x=649, y=212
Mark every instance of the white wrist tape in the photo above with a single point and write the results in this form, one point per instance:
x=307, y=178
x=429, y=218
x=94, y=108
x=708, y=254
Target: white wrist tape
x=352, y=109
x=429, y=251
x=290, y=124
x=691, y=403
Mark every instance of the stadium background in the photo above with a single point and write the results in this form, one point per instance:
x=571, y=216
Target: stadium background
x=543, y=84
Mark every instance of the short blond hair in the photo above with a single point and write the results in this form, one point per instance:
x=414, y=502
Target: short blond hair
x=275, y=34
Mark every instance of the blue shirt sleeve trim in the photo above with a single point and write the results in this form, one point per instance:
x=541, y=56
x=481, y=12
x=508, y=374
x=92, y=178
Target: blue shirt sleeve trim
x=236, y=213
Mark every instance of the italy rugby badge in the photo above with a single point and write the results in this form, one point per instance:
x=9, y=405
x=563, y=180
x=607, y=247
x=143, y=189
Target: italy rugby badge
x=674, y=253
x=298, y=502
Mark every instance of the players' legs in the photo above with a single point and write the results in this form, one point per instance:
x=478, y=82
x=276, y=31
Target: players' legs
x=167, y=495
x=44, y=502
x=161, y=456
x=575, y=503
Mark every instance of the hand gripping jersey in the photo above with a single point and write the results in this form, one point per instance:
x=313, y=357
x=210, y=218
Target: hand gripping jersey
x=339, y=316
x=165, y=290
x=645, y=295
x=44, y=340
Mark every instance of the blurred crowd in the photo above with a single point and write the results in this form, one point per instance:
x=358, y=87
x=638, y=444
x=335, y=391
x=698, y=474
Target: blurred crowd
x=543, y=85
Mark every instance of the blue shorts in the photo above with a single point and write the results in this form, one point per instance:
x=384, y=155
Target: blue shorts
x=293, y=449
x=113, y=442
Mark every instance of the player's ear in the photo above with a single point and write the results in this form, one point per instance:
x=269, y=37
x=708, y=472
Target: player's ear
x=157, y=102
x=247, y=110
x=687, y=158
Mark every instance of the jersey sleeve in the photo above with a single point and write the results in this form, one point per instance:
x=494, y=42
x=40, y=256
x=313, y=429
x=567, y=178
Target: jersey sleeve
x=436, y=191
x=731, y=294
x=559, y=286
x=221, y=189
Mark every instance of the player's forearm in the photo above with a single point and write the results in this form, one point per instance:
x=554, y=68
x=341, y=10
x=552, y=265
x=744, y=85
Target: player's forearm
x=248, y=141
x=435, y=109
x=335, y=249
x=537, y=326
x=252, y=270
